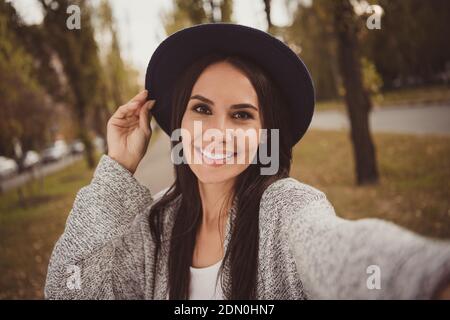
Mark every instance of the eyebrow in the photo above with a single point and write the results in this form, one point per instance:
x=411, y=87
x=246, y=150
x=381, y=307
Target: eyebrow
x=234, y=106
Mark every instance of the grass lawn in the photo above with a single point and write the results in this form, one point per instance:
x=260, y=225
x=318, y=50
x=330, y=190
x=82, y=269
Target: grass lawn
x=430, y=95
x=413, y=192
x=29, y=234
x=414, y=188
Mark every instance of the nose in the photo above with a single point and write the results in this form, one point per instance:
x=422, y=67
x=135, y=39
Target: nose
x=219, y=123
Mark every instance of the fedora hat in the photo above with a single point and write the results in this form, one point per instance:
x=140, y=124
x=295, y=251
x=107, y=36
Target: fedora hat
x=281, y=64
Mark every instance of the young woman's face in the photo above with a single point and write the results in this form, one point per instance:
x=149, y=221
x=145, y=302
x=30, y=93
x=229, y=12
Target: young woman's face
x=221, y=124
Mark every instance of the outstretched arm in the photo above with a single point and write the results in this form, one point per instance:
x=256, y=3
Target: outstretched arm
x=364, y=259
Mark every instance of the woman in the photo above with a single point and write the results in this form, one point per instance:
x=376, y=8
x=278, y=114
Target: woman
x=226, y=229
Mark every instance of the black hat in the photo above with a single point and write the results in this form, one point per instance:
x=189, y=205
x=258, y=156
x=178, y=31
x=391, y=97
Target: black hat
x=282, y=65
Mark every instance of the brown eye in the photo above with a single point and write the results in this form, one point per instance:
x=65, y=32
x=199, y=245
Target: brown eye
x=242, y=115
x=202, y=108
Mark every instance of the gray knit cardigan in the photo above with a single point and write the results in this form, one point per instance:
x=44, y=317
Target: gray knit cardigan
x=305, y=250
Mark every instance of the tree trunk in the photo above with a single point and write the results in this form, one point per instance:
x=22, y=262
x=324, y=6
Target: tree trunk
x=357, y=99
x=267, y=10
x=89, y=150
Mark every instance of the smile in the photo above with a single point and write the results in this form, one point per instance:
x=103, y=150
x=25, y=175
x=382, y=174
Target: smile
x=215, y=158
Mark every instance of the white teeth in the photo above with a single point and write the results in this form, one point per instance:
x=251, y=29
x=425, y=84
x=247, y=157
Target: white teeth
x=217, y=156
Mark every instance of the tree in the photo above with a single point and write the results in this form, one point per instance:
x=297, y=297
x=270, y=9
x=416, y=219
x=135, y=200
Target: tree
x=415, y=46
x=78, y=52
x=267, y=10
x=193, y=12
x=25, y=104
x=311, y=34
x=327, y=33
x=226, y=10
x=357, y=99
x=118, y=80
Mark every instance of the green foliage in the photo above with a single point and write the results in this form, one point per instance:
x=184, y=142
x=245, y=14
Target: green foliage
x=312, y=32
x=119, y=77
x=413, y=41
x=78, y=52
x=192, y=12
x=371, y=78
x=66, y=86
x=25, y=112
x=412, y=45
x=185, y=14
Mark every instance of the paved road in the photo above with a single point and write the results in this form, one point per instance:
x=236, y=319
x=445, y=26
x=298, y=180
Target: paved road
x=38, y=172
x=414, y=120
x=156, y=170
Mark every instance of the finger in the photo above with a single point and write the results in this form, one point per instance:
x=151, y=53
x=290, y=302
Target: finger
x=144, y=120
x=140, y=97
x=127, y=110
x=125, y=123
x=150, y=105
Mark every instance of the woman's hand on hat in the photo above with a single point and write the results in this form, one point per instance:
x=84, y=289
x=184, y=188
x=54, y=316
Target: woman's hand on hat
x=129, y=131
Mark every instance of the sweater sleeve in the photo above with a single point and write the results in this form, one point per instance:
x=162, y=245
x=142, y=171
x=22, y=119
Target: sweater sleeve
x=359, y=259
x=100, y=253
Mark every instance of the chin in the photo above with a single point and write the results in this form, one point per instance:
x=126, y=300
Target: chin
x=217, y=174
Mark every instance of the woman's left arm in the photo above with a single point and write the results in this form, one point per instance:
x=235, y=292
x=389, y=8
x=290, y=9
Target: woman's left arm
x=362, y=259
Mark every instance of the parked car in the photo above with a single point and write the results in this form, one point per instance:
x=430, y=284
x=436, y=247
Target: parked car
x=31, y=159
x=77, y=147
x=8, y=167
x=58, y=151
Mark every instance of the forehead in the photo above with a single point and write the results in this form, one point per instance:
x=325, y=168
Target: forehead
x=223, y=81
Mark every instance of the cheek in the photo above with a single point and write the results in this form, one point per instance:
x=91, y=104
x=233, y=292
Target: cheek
x=247, y=143
x=185, y=122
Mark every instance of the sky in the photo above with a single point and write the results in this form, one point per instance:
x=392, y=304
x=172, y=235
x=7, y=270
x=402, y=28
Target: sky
x=140, y=25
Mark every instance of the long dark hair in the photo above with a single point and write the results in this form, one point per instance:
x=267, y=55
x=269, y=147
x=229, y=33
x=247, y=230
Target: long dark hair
x=242, y=250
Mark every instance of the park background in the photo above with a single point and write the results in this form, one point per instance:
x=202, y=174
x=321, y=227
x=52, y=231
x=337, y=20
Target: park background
x=379, y=143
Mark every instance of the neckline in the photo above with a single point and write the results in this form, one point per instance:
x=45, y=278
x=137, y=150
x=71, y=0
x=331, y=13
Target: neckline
x=208, y=267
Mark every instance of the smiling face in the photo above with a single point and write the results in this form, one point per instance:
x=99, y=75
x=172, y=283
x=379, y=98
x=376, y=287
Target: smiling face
x=225, y=103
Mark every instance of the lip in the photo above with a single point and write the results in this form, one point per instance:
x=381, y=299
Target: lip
x=216, y=161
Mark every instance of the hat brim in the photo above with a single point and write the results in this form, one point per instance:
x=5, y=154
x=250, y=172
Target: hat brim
x=283, y=66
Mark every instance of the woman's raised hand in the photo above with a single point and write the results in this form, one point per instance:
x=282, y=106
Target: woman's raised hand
x=129, y=131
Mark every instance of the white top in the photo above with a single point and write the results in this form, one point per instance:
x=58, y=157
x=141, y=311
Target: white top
x=203, y=285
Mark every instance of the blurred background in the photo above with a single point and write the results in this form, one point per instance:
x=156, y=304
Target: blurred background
x=379, y=143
